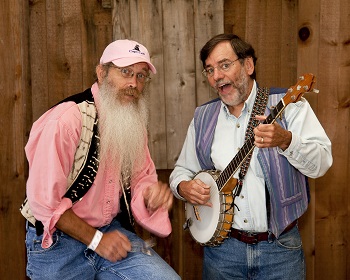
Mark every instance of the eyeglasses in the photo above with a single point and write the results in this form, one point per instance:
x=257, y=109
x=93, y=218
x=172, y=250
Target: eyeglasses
x=223, y=66
x=127, y=72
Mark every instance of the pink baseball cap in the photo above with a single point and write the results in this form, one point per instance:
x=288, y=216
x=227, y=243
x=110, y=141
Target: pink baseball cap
x=126, y=52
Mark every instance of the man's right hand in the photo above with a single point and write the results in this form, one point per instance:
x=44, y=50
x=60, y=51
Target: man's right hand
x=113, y=246
x=195, y=192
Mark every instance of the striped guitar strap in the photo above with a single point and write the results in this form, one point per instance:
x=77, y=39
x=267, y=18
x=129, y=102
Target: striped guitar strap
x=259, y=107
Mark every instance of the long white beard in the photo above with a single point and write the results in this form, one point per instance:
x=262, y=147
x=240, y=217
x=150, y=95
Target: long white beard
x=123, y=130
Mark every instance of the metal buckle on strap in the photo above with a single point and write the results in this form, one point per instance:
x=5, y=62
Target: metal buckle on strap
x=253, y=238
x=250, y=237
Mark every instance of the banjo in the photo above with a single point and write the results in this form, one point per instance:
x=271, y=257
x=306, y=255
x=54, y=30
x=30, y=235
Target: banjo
x=210, y=226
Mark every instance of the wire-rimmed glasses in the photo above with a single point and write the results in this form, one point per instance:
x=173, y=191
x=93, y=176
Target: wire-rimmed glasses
x=223, y=66
x=127, y=72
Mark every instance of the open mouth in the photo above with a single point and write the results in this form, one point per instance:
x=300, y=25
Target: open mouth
x=224, y=88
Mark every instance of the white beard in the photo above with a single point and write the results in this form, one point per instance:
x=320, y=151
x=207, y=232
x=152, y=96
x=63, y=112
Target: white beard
x=122, y=128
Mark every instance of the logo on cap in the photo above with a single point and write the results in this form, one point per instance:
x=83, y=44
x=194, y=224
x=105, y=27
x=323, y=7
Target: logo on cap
x=136, y=49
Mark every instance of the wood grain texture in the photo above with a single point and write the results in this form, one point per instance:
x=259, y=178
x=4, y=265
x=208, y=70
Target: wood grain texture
x=49, y=50
x=209, y=21
x=14, y=90
x=149, y=33
x=332, y=191
x=307, y=53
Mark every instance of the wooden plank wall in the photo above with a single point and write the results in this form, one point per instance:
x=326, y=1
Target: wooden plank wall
x=14, y=87
x=327, y=53
x=48, y=50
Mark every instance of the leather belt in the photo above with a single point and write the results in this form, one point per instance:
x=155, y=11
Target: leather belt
x=39, y=227
x=253, y=238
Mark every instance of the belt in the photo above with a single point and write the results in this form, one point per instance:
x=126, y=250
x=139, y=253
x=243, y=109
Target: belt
x=254, y=238
x=38, y=227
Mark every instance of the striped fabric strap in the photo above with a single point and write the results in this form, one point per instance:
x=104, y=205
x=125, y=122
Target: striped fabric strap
x=258, y=109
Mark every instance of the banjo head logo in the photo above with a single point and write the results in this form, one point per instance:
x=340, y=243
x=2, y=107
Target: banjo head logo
x=136, y=49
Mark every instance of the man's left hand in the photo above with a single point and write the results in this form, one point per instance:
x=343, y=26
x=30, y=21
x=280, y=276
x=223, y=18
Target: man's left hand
x=271, y=135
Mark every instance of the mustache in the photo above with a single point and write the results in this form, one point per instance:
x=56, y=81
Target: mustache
x=222, y=83
x=130, y=92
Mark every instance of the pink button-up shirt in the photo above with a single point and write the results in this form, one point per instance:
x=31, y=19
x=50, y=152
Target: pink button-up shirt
x=50, y=153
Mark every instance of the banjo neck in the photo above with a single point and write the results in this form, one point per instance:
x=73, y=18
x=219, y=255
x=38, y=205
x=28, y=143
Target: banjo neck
x=246, y=150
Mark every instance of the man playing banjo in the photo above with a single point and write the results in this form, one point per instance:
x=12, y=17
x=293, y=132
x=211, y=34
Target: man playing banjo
x=263, y=240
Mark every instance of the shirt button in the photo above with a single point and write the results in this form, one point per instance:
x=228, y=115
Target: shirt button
x=108, y=202
x=110, y=181
x=242, y=196
x=238, y=125
x=245, y=220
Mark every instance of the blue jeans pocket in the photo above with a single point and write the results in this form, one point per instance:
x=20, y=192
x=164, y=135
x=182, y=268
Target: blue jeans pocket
x=290, y=240
x=33, y=242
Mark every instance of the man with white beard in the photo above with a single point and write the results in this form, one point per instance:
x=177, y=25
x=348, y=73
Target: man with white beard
x=91, y=176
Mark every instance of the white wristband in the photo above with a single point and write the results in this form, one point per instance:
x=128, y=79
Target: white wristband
x=96, y=240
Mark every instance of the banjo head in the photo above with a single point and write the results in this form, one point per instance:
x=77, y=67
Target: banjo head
x=203, y=220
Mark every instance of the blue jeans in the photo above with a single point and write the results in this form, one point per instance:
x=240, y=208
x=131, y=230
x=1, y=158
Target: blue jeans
x=281, y=258
x=68, y=258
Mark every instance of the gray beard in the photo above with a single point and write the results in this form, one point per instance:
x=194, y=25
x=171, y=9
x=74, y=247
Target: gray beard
x=123, y=131
x=242, y=87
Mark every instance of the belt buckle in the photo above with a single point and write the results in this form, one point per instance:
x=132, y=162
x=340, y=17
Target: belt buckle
x=254, y=238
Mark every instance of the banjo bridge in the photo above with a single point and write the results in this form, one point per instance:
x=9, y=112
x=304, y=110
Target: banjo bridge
x=196, y=213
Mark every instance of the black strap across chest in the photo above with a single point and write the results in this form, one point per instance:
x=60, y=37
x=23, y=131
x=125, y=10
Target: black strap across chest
x=87, y=175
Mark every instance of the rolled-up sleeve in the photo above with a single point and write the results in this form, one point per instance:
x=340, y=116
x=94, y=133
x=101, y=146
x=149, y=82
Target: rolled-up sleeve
x=50, y=154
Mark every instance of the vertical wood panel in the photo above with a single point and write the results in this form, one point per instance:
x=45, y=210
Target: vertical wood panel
x=54, y=42
x=121, y=19
x=63, y=55
x=72, y=45
x=97, y=33
x=332, y=195
x=180, y=95
x=235, y=17
x=288, y=43
x=209, y=21
x=179, y=70
x=150, y=33
x=308, y=19
x=14, y=88
x=271, y=30
x=63, y=41
x=39, y=58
